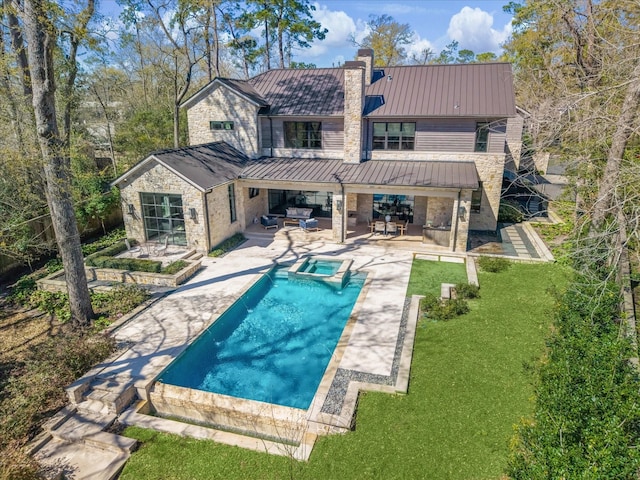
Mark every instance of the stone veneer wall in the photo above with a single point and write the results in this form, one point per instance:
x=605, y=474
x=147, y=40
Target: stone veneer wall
x=353, y=106
x=365, y=207
x=224, y=105
x=440, y=211
x=256, y=206
x=490, y=169
x=155, y=178
x=220, y=225
x=420, y=205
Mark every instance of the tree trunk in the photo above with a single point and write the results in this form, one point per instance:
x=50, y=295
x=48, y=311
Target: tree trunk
x=21, y=55
x=40, y=43
x=216, y=41
x=624, y=129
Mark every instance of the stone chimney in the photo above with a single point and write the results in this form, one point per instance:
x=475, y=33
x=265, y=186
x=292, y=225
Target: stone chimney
x=353, y=107
x=366, y=55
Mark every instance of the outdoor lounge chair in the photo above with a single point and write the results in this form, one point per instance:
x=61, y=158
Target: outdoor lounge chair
x=269, y=222
x=392, y=227
x=379, y=227
x=161, y=250
x=310, y=224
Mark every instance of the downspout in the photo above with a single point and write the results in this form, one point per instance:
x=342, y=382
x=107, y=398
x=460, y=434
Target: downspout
x=366, y=140
x=206, y=220
x=455, y=230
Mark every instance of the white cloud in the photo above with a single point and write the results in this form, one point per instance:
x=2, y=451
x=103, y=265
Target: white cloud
x=340, y=28
x=418, y=46
x=472, y=28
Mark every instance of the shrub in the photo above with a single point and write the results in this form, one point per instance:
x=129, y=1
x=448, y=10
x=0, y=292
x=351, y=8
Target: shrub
x=104, y=241
x=509, y=212
x=174, y=267
x=228, y=245
x=438, y=309
x=23, y=288
x=132, y=264
x=110, y=251
x=54, y=303
x=53, y=265
x=467, y=290
x=118, y=301
x=586, y=417
x=429, y=301
x=494, y=264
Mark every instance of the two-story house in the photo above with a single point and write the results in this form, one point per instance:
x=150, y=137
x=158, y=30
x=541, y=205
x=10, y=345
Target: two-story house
x=425, y=144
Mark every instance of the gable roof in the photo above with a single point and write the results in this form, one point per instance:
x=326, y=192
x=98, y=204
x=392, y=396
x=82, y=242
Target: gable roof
x=240, y=87
x=434, y=174
x=460, y=90
x=203, y=166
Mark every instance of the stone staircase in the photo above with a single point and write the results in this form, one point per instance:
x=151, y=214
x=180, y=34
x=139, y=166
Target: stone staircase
x=75, y=442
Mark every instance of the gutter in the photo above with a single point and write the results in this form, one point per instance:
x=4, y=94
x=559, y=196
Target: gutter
x=206, y=219
x=455, y=230
x=271, y=135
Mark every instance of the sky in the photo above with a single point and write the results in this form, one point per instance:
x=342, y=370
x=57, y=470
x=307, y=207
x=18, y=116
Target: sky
x=480, y=26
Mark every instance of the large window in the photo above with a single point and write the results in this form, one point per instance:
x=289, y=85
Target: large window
x=163, y=216
x=394, y=136
x=482, y=137
x=303, y=134
x=232, y=203
x=476, y=199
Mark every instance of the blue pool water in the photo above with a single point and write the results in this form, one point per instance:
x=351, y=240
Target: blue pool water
x=321, y=267
x=272, y=345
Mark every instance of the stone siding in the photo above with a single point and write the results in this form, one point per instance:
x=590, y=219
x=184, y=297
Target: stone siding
x=224, y=105
x=490, y=170
x=440, y=211
x=365, y=207
x=220, y=225
x=255, y=207
x=155, y=178
x=353, y=106
x=420, y=210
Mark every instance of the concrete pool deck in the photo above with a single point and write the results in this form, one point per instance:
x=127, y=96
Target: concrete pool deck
x=374, y=346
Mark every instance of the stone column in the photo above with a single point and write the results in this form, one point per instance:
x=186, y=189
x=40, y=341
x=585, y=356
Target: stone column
x=339, y=216
x=460, y=221
x=353, y=107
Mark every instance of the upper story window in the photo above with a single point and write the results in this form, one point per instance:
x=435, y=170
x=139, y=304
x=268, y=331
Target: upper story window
x=214, y=125
x=482, y=137
x=303, y=134
x=394, y=136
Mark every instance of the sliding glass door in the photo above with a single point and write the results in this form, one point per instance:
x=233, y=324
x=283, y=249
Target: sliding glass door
x=163, y=216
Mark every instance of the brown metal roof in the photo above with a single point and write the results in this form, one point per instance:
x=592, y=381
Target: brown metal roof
x=461, y=90
x=204, y=166
x=309, y=92
x=438, y=174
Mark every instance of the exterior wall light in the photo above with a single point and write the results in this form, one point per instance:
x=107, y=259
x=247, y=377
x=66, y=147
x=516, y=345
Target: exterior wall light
x=193, y=214
x=339, y=205
x=130, y=209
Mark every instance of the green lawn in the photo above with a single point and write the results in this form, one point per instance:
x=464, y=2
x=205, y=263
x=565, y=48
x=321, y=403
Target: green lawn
x=426, y=276
x=468, y=387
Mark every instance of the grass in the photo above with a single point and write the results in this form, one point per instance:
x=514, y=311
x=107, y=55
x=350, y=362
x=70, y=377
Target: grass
x=468, y=387
x=426, y=276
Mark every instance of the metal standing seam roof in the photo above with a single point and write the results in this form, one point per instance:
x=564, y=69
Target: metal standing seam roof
x=204, y=166
x=459, y=90
x=308, y=92
x=434, y=174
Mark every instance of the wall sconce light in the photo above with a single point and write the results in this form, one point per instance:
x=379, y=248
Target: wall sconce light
x=193, y=214
x=339, y=205
x=130, y=209
x=462, y=211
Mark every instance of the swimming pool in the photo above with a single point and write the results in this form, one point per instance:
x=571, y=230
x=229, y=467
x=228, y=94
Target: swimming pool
x=273, y=344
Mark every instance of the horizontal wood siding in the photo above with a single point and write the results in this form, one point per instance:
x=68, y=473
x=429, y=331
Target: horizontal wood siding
x=266, y=132
x=497, y=137
x=333, y=135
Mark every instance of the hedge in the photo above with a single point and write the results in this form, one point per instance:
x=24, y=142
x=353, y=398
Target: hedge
x=132, y=264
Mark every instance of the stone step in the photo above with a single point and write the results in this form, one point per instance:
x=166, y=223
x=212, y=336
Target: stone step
x=110, y=441
x=92, y=406
x=82, y=424
x=80, y=461
x=114, y=395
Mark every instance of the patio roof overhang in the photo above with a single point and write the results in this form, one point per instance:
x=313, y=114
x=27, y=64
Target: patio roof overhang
x=394, y=173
